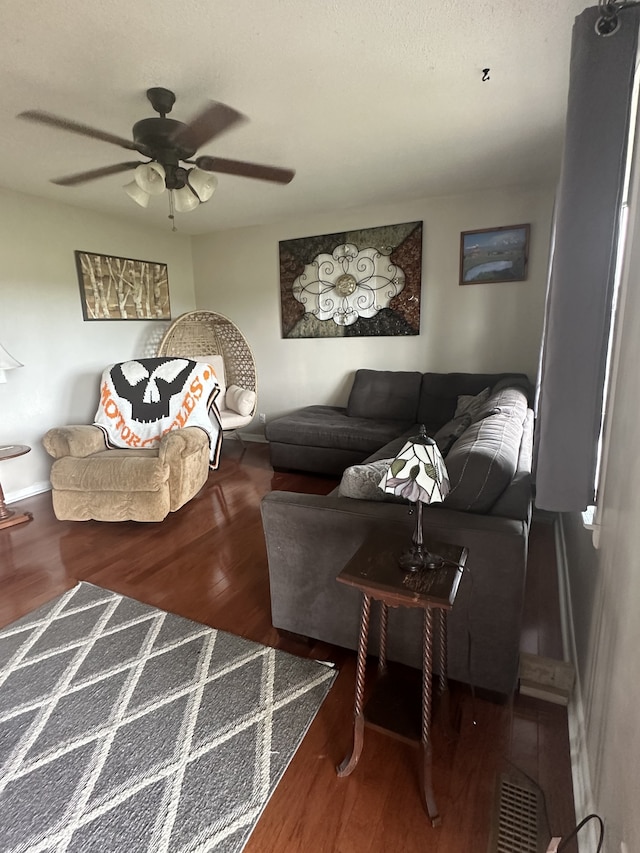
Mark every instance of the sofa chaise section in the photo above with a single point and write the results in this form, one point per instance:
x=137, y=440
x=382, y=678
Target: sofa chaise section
x=327, y=439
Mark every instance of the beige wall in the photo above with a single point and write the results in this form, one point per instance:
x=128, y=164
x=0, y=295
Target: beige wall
x=484, y=327
x=479, y=327
x=41, y=321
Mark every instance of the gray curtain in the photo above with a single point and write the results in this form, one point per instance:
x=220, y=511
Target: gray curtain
x=579, y=297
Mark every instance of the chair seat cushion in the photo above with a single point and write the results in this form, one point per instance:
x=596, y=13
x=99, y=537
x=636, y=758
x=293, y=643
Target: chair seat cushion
x=232, y=420
x=111, y=471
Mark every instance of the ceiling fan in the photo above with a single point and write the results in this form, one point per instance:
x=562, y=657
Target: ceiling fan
x=167, y=143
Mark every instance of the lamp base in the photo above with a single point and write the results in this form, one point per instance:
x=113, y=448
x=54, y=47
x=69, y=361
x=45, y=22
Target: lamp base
x=416, y=558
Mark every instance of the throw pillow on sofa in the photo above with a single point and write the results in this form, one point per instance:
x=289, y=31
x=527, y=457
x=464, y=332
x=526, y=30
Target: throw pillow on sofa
x=468, y=404
x=361, y=482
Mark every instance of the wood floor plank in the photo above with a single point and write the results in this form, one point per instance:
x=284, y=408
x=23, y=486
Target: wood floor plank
x=208, y=562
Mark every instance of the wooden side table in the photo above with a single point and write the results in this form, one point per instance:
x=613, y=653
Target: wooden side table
x=375, y=572
x=9, y=517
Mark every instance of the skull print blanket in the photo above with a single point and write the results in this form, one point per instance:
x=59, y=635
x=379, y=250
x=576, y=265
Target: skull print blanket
x=142, y=400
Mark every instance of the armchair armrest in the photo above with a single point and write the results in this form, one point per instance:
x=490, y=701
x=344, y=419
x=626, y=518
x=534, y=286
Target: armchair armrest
x=179, y=443
x=185, y=452
x=74, y=441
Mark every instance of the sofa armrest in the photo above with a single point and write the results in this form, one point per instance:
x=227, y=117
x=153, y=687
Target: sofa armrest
x=310, y=538
x=75, y=440
x=516, y=501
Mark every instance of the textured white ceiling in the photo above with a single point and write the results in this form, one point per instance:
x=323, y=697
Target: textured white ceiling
x=369, y=100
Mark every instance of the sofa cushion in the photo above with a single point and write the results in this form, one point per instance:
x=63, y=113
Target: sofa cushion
x=483, y=461
x=439, y=393
x=509, y=400
x=385, y=395
x=132, y=470
x=329, y=426
x=519, y=381
x=472, y=404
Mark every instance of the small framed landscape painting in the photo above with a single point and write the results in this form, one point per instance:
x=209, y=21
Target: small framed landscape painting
x=113, y=288
x=494, y=254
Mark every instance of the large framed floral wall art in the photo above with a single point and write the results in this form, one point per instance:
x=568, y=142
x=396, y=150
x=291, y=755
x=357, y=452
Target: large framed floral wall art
x=352, y=283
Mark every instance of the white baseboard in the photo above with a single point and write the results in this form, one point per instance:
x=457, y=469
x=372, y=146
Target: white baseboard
x=583, y=798
x=28, y=492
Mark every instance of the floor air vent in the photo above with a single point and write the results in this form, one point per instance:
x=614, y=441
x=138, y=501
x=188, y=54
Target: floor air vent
x=519, y=820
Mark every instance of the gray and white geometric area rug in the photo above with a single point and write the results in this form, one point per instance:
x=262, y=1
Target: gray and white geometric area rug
x=124, y=728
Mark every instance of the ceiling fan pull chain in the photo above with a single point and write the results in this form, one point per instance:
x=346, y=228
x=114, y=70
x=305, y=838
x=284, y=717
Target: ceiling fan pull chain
x=172, y=215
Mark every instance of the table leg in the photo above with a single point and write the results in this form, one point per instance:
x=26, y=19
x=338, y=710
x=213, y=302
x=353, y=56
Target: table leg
x=9, y=517
x=384, y=623
x=427, y=671
x=443, y=683
x=350, y=761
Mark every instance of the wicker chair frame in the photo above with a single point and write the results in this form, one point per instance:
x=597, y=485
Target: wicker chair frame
x=209, y=333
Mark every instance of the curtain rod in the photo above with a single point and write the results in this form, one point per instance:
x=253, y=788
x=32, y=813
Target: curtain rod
x=608, y=23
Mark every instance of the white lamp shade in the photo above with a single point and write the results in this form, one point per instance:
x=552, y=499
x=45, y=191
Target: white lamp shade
x=138, y=195
x=150, y=178
x=203, y=183
x=184, y=200
x=7, y=362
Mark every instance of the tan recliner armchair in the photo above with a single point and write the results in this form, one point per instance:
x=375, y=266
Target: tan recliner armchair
x=91, y=481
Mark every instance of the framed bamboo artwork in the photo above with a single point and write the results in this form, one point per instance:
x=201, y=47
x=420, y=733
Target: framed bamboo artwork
x=113, y=288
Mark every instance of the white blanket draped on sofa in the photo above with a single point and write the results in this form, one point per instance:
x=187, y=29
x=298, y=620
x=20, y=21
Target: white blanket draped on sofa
x=142, y=400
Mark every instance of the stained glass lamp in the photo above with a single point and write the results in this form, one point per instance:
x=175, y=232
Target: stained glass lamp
x=418, y=473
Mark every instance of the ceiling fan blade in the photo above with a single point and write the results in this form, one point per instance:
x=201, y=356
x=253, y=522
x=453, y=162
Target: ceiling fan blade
x=83, y=177
x=214, y=119
x=245, y=170
x=75, y=127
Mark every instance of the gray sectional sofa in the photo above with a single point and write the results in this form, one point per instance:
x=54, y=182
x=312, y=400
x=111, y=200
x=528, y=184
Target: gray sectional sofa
x=487, y=448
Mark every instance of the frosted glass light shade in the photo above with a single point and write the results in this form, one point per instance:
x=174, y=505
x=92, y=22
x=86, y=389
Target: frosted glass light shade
x=138, y=195
x=150, y=178
x=184, y=200
x=7, y=362
x=203, y=183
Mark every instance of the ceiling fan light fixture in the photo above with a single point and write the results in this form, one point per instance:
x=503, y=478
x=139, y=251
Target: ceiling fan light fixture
x=164, y=144
x=140, y=196
x=184, y=199
x=202, y=183
x=150, y=177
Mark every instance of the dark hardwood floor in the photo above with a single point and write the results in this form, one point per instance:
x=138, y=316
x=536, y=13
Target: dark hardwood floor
x=208, y=562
